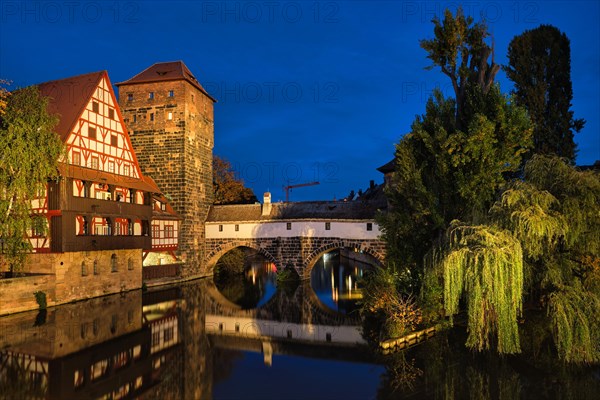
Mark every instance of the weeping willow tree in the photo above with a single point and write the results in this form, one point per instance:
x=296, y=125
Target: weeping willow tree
x=555, y=215
x=484, y=265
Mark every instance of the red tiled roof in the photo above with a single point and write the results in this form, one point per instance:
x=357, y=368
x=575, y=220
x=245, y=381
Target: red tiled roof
x=166, y=71
x=68, y=98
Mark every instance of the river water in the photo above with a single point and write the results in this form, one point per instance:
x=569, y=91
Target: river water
x=245, y=337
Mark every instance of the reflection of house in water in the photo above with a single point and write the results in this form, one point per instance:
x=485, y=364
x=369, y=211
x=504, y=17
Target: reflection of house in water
x=101, y=348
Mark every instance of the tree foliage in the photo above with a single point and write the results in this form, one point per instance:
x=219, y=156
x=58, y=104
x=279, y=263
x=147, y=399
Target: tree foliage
x=555, y=214
x=460, y=50
x=485, y=265
x=227, y=188
x=540, y=67
x=29, y=157
x=458, y=154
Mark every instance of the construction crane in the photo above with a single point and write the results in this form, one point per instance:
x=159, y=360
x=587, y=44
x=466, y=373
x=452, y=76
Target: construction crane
x=289, y=188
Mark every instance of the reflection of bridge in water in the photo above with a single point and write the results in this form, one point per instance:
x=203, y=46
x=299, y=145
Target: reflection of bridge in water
x=295, y=323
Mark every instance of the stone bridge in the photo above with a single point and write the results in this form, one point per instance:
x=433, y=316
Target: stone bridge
x=293, y=234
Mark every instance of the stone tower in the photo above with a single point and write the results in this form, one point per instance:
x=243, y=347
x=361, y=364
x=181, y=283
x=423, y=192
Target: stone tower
x=170, y=120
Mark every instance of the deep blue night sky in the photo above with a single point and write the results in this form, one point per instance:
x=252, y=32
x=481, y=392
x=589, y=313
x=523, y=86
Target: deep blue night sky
x=307, y=90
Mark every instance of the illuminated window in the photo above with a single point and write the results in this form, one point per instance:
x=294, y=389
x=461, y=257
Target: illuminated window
x=168, y=334
x=327, y=226
x=169, y=115
x=95, y=107
x=76, y=158
x=155, y=339
x=92, y=133
x=95, y=164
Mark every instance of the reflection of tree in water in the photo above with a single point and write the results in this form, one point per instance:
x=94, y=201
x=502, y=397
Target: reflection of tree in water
x=442, y=368
x=240, y=291
x=243, y=276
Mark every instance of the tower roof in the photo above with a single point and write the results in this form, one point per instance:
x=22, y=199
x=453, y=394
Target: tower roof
x=167, y=71
x=69, y=97
x=388, y=167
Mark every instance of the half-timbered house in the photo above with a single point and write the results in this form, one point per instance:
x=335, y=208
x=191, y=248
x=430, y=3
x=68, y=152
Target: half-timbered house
x=100, y=211
x=102, y=201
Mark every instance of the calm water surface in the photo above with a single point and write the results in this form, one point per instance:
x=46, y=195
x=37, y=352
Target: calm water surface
x=246, y=338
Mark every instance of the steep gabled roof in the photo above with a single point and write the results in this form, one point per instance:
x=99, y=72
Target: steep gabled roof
x=166, y=71
x=68, y=98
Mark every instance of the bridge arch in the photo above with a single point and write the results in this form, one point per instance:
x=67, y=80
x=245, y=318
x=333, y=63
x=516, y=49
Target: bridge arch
x=313, y=257
x=220, y=250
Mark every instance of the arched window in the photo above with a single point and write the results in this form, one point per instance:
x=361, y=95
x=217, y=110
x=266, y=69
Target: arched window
x=130, y=264
x=96, y=271
x=113, y=263
x=83, y=269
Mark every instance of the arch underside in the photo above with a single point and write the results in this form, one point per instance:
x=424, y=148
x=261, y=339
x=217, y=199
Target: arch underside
x=362, y=246
x=221, y=250
x=304, y=261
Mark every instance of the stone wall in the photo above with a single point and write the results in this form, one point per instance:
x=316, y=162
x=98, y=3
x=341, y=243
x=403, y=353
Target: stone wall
x=17, y=294
x=70, y=277
x=299, y=252
x=176, y=153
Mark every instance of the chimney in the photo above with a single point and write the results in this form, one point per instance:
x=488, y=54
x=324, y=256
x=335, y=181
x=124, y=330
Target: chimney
x=266, y=208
